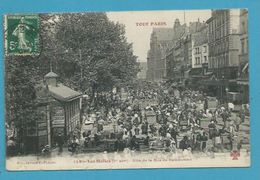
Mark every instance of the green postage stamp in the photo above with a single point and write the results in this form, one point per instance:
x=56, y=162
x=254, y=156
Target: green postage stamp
x=22, y=34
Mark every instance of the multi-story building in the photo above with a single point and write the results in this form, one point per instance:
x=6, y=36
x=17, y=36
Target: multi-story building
x=224, y=48
x=175, y=54
x=160, y=41
x=200, y=49
x=200, y=55
x=243, y=70
x=180, y=56
x=199, y=28
x=187, y=43
x=178, y=70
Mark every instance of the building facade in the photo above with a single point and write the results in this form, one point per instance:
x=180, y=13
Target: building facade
x=200, y=48
x=224, y=48
x=200, y=55
x=160, y=41
x=160, y=59
x=180, y=58
x=175, y=54
x=243, y=69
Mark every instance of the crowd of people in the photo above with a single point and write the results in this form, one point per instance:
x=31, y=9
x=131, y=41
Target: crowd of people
x=165, y=119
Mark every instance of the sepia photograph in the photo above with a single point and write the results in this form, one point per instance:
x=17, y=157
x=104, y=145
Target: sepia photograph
x=124, y=90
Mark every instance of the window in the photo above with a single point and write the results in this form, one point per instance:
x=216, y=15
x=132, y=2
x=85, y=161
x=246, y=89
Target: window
x=227, y=62
x=205, y=59
x=242, y=46
x=204, y=49
x=224, y=30
x=224, y=60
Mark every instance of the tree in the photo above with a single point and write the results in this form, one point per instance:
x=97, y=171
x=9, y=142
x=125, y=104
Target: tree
x=21, y=77
x=102, y=57
x=88, y=52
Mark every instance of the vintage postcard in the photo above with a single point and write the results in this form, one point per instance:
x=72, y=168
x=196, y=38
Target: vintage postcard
x=116, y=90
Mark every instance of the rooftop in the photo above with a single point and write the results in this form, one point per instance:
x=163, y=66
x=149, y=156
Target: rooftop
x=51, y=74
x=200, y=37
x=63, y=93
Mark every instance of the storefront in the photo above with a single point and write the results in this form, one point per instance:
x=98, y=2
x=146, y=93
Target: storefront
x=220, y=88
x=244, y=90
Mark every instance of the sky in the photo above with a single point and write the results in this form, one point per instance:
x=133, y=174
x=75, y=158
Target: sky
x=139, y=34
